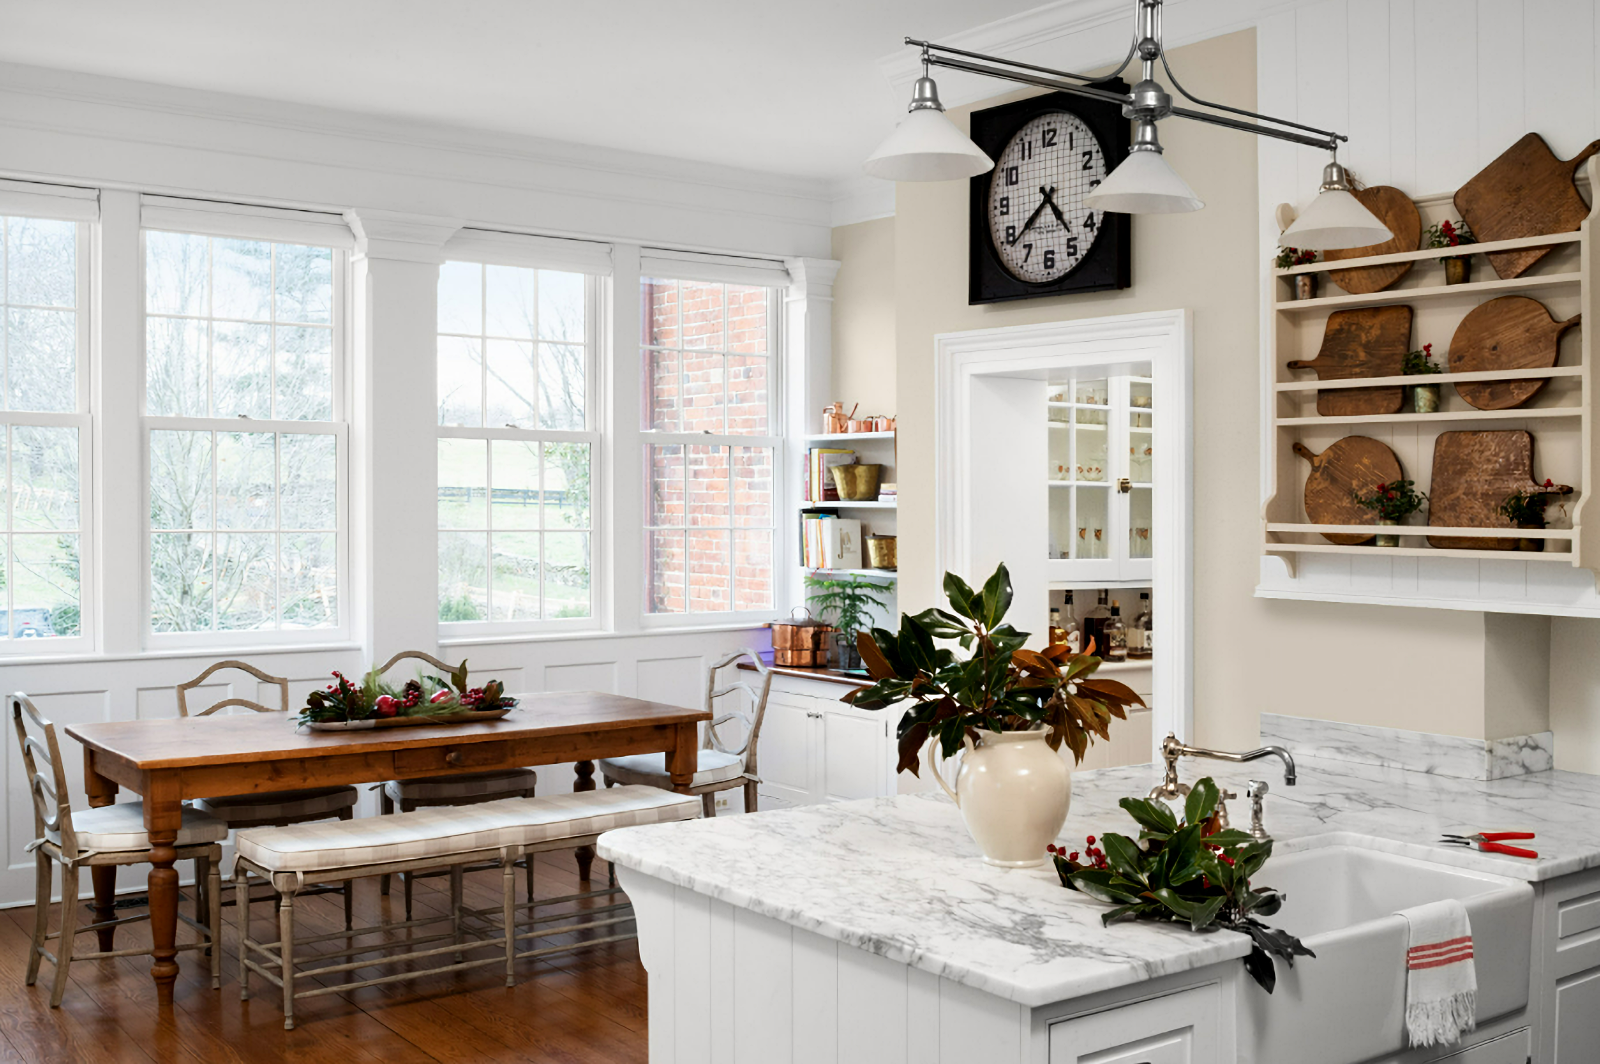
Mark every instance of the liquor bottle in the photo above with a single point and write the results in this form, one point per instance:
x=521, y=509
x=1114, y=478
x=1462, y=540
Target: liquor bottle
x=1116, y=636
x=1094, y=626
x=1058, y=635
x=1072, y=637
x=1139, y=629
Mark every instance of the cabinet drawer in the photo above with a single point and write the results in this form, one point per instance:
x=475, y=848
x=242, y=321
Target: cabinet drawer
x=1513, y=1048
x=428, y=759
x=1178, y=1028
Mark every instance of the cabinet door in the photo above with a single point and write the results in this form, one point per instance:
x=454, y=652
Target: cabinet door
x=852, y=757
x=1578, y=1018
x=1513, y=1048
x=1178, y=1028
x=785, y=755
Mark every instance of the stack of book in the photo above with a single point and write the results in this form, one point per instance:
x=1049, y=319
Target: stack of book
x=819, y=482
x=828, y=541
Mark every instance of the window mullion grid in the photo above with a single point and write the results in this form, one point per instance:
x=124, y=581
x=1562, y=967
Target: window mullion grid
x=277, y=523
x=216, y=521
x=211, y=326
x=488, y=526
x=544, y=558
x=272, y=332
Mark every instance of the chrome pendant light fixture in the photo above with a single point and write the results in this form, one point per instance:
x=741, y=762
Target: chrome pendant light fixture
x=930, y=148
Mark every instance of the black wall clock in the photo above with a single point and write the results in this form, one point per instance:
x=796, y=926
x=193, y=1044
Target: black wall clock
x=1029, y=233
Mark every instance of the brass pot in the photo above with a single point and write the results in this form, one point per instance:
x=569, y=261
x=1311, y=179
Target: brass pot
x=1387, y=539
x=857, y=482
x=881, y=552
x=802, y=643
x=1457, y=270
x=1529, y=544
x=1425, y=398
x=1305, y=286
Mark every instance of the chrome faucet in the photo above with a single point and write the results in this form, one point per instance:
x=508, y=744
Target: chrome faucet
x=1170, y=789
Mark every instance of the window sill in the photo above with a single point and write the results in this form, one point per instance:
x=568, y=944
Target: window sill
x=174, y=653
x=576, y=636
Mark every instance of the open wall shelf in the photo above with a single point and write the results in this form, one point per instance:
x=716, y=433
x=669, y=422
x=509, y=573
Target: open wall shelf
x=1299, y=562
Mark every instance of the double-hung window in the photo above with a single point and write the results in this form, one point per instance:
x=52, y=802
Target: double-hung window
x=711, y=422
x=246, y=438
x=517, y=447
x=44, y=432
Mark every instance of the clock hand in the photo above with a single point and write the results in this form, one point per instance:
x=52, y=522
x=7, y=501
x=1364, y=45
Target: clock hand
x=1034, y=217
x=1048, y=193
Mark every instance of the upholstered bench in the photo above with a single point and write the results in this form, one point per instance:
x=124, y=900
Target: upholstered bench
x=443, y=837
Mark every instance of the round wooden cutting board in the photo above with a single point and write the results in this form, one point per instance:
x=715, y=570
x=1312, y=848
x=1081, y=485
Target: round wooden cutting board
x=1396, y=211
x=1353, y=464
x=1512, y=332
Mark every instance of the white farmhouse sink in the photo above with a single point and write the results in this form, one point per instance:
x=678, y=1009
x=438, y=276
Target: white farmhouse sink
x=1348, y=1004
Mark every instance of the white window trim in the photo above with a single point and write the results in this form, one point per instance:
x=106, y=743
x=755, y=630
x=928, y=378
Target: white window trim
x=338, y=426
x=684, y=266
x=593, y=260
x=82, y=211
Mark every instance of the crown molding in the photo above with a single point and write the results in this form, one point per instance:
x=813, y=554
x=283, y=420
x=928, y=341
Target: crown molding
x=861, y=199
x=1007, y=36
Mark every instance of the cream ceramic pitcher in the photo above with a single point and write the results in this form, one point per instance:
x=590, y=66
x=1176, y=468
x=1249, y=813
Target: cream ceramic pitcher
x=1013, y=792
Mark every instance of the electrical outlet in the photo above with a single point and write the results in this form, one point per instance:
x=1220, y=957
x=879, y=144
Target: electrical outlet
x=722, y=803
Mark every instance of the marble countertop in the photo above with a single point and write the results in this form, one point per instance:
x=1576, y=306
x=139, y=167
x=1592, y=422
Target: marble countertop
x=900, y=877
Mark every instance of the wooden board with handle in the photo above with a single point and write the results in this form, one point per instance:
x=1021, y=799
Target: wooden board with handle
x=1370, y=342
x=1473, y=473
x=1395, y=209
x=1525, y=192
x=1353, y=465
x=1512, y=332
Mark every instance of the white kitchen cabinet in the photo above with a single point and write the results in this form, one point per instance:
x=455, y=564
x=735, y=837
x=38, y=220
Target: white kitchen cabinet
x=1101, y=487
x=1176, y=1028
x=814, y=748
x=1513, y=1048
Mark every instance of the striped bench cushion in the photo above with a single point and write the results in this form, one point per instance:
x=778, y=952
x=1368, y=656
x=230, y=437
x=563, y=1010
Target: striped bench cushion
x=459, y=788
x=714, y=766
x=120, y=828
x=307, y=804
x=441, y=831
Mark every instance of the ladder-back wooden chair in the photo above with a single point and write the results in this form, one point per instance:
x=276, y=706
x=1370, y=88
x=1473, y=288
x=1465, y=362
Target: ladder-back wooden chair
x=272, y=808
x=722, y=764
x=101, y=837
x=465, y=788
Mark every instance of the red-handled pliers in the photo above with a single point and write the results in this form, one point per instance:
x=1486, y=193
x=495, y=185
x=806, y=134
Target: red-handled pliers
x=1491, y=842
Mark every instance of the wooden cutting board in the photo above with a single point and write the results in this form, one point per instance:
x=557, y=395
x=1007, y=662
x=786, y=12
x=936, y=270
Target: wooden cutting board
x=1512, y=332
x=1371, y=342
x=1473, y=473
x=1401, y=216
x=1525, y=192
x=1355, y=464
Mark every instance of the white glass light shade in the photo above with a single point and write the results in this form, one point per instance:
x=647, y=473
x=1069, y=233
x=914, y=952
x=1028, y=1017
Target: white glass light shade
x=926, y=146
x=1335, y=220
x=1144, y=184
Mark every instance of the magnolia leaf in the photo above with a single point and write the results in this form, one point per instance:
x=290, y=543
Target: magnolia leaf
x=1098, y=883
x=1151, y=814
x=961, y=596
x=1230, y=837
x=1174, y=901
x=911, y=742
x=1204, y=913
x=996, y=596
x=1123, y=854
x=1259, y=965
x=878, y=666
x=1056, y=652
x=1202, y=800
x=1035, y=660
x=1111, y=689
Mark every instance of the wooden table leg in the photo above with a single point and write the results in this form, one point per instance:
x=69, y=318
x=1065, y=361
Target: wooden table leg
x=683, y=758
x=585, y=782
x=101, y=792
x=163, y=816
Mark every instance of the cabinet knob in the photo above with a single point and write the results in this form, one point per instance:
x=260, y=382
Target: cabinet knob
x=1124, y=486
x=452, y=757
x=813, y=714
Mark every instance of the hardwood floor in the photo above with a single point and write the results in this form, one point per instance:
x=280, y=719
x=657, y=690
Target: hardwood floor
x=574, y=1008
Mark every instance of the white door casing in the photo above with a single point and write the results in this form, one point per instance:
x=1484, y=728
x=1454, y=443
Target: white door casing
x=965, y=485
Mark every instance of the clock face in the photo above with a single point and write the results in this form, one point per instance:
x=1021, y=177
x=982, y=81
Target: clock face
x=1040, y=228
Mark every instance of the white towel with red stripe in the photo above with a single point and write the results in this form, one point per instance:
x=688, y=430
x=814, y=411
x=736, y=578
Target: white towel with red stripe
x=1441, y=982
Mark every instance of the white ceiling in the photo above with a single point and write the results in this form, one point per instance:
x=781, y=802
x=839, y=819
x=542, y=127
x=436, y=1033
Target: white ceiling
x=791, y=88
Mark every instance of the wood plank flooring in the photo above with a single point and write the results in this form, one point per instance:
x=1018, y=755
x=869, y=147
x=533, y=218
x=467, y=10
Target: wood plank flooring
x=573, y=1008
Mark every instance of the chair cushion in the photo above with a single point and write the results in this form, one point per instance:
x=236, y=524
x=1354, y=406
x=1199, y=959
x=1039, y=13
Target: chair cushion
x=651, y=769
x=442, y=831
x=460, y=788
x=120, y=828
x=312, y=803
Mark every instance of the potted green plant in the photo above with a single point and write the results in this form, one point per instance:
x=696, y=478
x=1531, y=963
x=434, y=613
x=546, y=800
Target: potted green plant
x=1010, y=708
x=1525, y=509
x=1305, y=284
x=1424, y=397
x=1190, y=871
x=1448, y=234
x=1394, y=502
x=848, y=602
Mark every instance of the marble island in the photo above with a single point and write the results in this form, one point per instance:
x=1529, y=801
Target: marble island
x=891, y=893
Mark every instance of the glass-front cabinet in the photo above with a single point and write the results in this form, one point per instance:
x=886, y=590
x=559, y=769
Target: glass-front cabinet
x=1102, y=450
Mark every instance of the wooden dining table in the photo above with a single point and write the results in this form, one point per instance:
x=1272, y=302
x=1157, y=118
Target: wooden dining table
x=169, y=760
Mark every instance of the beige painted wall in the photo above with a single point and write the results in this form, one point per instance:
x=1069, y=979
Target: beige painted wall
x=1352, y=663
x=863, y=316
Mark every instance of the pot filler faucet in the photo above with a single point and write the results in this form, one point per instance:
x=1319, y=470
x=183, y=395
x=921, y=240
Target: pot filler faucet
x=1170, y=789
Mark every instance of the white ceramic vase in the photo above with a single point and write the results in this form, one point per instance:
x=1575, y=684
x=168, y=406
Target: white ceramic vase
x=1013, y=792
